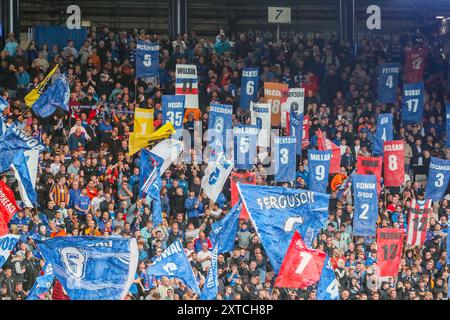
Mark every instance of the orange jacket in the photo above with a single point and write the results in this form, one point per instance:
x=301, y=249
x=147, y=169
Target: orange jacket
x=337, y=180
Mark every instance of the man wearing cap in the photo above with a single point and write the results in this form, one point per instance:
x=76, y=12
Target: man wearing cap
x=11, y=44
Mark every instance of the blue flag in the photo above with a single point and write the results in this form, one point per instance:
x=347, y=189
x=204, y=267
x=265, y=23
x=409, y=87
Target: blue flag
x=296, y=122
x=249, y=87
x=387, y=82
x=438, y=178
x=328, y=287
x=16, y=139
x=318, y=169
x=210, y=288
x=285, y=158
x=366, y=205
x=3, y=104
x=145, y=168
x=147, y=59
x=224, y=231
x=152, y=187
x=173, y=111
x=278, y=212
x=245, y=139
x=412, y=106
x=7, y=244
x=173, y=262
x=447, y=259
x=23, y=173
x=219, y=128
x=385, y=132
x=43, y=283
x=448, y=124
x=92, y=268
x=57, y=95
x=3, y=126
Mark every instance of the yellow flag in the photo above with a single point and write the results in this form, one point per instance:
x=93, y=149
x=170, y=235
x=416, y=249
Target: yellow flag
x=143, y=121
x=139, y=141
x=34, y=94
x=163, y=132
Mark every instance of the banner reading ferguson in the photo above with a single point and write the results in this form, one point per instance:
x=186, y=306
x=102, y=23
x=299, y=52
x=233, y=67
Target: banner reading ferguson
x=278, y=212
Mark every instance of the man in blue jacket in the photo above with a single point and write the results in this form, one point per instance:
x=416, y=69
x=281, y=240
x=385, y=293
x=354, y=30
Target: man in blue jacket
x=193, y=208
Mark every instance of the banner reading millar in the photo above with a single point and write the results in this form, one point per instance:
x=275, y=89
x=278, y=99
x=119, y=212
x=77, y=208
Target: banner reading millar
x=273, y=94
x=186, y=84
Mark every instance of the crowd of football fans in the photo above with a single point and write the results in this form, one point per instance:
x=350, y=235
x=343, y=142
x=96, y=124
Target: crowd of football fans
x=88, y=185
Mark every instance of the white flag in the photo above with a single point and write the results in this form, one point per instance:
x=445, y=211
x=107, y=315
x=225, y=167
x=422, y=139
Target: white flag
x=295, y=102
x=261, y=116
x=168, y=150
x=32, y=157
x=215, y=176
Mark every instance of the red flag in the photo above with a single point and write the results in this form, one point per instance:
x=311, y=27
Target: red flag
x=326, y=144
x=301, y=266
x=58, y=291
x=247, y=178
x=418, y=221
x=305, y=137
x=389, y=251
x=288, y=123
x=8, y=207
x=415, y=65
x=370, y=165
x=394, y=163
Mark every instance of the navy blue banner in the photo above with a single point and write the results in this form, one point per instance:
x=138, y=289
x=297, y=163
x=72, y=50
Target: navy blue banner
x=147, y=59
x=249, y=87
x=366, y=205
x=173, y=111
x=318, y=169
x=387, y=82
x=385, y=132
x=412, y=109
x=245, y=139
x=438, y=178
x=285, y=158
x=219, y=125
x=297, y=130
x=448, y=125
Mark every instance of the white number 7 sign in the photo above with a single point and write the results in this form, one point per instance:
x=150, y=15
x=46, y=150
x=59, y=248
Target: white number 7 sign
x=306, y=257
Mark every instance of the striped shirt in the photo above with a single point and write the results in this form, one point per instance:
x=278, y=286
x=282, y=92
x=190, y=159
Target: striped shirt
x=60, y=194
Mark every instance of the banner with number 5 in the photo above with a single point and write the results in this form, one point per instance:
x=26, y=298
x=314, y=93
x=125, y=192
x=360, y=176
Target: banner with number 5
x=412, y=109
x=394, y=163
x=438, y=178
x=147, y=59
x=366, y=205
x=389, y=251
x=249, y=87
x=319, y=169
